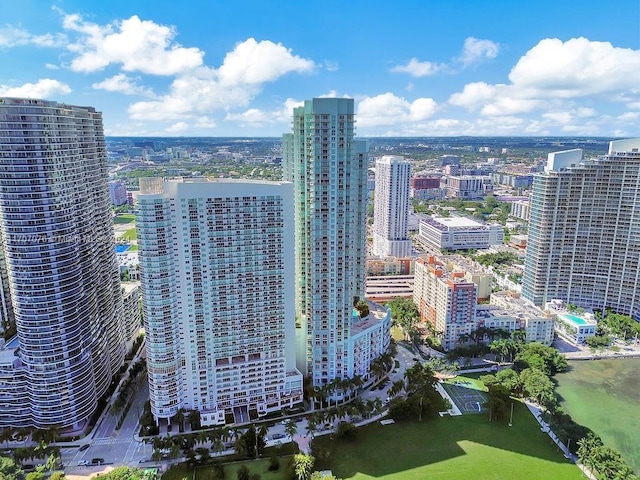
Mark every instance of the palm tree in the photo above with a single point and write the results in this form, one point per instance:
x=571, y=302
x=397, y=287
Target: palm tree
x=303, y=465
x=291, y=428
x=6, y=435
x=396, y=388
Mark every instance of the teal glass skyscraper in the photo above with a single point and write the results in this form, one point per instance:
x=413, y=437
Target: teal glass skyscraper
x=328, y=168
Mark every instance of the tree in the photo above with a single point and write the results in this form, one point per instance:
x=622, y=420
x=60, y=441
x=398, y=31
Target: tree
x=194, y=418
x=346, y=431
x=363, y=308
x=498, y=401
x=303, y=465
x=243, y=473
x=421, y=391
x=291, y=428
x=537, y=384
x=9, y=470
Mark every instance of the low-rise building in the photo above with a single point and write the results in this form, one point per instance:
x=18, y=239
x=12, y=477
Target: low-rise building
x=457, y=233
x=539, y=325
x=369, y=338
x=572, y=325
x=383, y=289
x=389, y=266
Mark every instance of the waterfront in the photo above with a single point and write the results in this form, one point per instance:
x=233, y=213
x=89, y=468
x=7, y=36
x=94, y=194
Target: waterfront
x=604, y=395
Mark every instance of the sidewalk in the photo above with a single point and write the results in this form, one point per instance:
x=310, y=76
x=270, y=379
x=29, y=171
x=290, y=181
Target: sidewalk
x=544, y=426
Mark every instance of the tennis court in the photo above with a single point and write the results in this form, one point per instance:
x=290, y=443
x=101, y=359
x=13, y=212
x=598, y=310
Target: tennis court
x=467, y=399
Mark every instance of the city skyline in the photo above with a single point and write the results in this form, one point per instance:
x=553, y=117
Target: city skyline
x=416, y=69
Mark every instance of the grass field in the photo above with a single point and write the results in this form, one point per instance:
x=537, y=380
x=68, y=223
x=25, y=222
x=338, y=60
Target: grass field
x=129, y=235
x=182, y=472
x=468, y=447
x=124, y=218
x=604, y=395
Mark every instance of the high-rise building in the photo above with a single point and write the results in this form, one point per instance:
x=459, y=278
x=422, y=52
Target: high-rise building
x=391, y=210
x=117, y=193
x=57, y=241
x=584, y=231
x=328, y=169
x=217, y=275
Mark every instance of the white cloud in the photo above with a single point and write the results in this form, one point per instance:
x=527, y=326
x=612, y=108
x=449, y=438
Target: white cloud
x=331, y=66
x=205, y=122
x=255, y=117
x=11, y=36
x=44, y=88
x=576, y=68
x=253, y=62
x=553, y=72
x=123, y=84
x=239, y=79
x=137, y=45
x=474, y=51
x=51, y=66
x=416, y=68
x=388, y=109
x=177, y=127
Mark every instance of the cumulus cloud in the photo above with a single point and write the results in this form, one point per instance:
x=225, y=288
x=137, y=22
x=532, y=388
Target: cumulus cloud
x=11, y=36
x=177, y=127
x=235, y=83
x=121, y=83
x=43, y=88
x=416, y=68
x=253, y=62
x=553, y=72
x=389, y=109
x=577, y=67
x=474, y=51
x=255, y=117
x=137, y=45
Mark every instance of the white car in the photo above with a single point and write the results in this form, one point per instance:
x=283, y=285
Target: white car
x=83, y=463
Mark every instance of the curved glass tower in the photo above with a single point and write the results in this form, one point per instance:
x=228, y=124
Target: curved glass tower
x=57, y=239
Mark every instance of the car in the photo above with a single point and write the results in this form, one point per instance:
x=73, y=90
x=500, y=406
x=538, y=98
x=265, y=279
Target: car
x=276, y=436
x=84, y=447
x=82, y=463
x=97, y=461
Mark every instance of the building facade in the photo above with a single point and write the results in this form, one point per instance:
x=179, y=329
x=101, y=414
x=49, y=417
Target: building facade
x=58, y=245
x=445, y=299
x=391, y=210
x=328, y=169
x=584, y=227
x=217, y=276
x=457, y=233
x=117, y=193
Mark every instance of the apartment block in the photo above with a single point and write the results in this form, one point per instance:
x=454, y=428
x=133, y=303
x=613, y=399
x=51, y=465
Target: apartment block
x=58, y=249
x=582, y=246
x=217, y=275
x=391, y=210
x=328, y=169
x=445, y=299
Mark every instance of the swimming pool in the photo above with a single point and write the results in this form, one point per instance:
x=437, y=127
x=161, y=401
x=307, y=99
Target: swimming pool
x=120, y=248
x=575, y=319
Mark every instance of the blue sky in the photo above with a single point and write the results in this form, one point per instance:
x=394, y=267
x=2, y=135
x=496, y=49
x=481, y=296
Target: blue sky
x=414, y=68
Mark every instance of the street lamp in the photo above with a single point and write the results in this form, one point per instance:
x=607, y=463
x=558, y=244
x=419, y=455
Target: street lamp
x=511, y=417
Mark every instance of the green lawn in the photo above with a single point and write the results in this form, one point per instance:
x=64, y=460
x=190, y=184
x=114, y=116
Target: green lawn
x=129, y=235
x=604, y=395
x=468, y=447
x=124, y=218
x=256, y=466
